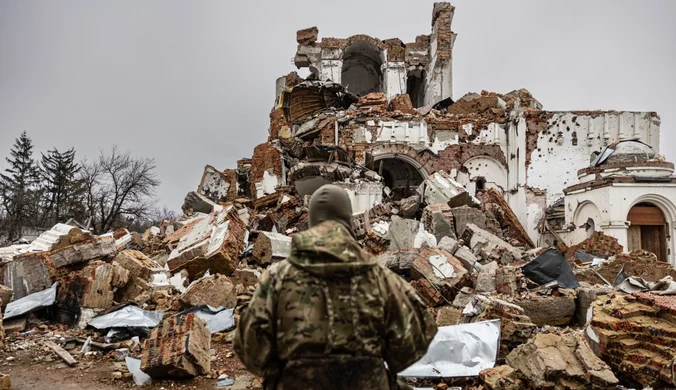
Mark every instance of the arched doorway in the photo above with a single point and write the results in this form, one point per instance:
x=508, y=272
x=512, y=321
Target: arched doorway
x=400, y=176
x=647, y=230
x=361, y=73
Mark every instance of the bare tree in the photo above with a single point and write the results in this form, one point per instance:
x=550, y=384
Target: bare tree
x=118, y=188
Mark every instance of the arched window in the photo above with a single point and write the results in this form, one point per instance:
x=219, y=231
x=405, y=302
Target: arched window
x=361, y=73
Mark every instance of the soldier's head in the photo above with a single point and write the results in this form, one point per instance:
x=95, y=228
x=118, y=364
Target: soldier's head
x=331, y=203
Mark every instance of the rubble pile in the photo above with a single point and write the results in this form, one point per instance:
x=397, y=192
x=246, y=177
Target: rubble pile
x=176, y=288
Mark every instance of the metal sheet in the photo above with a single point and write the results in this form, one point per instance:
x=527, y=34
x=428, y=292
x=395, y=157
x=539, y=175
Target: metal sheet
x=550, y=266
x=217, y=319
x=128, y=317
x=459, y=351
x=35, y=301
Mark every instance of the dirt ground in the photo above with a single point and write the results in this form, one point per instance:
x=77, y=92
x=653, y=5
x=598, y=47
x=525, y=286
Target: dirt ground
x=33, y=366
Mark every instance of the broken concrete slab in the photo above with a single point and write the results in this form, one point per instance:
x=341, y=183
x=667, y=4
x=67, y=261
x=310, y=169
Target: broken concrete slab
x=553, y=310
x=438, y=220
x=560, y=360
x=178, y=347
x=438, y=276
x=196, y=203
x=449, y=244
x=27, y=274
x=488, y=246
x=271, y=246
x=402, y=233
x=485, y=281
x=212, y=290
x=465, y=215
x=399, y=261
x=102, y=247
x=467, y=257
x=439, y=188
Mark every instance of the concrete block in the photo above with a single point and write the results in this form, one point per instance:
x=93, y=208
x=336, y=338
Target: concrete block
x=439, y=276
x=178, y=347
x=271, y=246
x=102, y=247
x=467, y=257
x=213, y=290
x=438, y=220
x=488, y=246
x=485, y=281
x=27, y=274
x=554, y=310
x=402, y=233
x=465, y=215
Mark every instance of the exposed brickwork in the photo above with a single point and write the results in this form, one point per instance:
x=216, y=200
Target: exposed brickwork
x=265, y=158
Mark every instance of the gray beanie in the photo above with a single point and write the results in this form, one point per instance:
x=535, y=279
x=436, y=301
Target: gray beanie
x=331, y=202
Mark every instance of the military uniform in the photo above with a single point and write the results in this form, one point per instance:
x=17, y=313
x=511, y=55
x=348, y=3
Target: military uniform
x=328, y=316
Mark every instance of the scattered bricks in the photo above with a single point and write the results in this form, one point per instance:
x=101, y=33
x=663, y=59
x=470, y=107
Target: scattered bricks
x=444, y=272
x=5, y=382
x=102, y=247
x=307, y=36
x=490, y=247
x=409, y=207
x=500, y=378
x=245, y=276
x=554, y=310
x=374, y=102
x=638, y=263
x=403, y=104
x=6, y=294
x=172, y=239
x=448, y=315
x=636, y=335
x=133, y=291
x=214, y=243
x=485, y=281
x=598, y=244
x=213, y=290
x=138, y=264
x=178, y=347
x=271, y=246
x=508, y=280
x=494, y=202
x=516, y=328
x=27, y=274
x=375, y=244
x=586, y=296
x=465, y=215
x=266, y=169
x=196, y=203
x=562, y=360
x=400, y=261
x=438, y=220
x=218, y=186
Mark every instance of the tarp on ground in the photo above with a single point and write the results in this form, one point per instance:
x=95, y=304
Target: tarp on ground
x=551, y=266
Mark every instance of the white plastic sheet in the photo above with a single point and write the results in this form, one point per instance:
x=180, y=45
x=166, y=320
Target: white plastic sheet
x=134, y=366
x=128, y=317
x=217, y=319
x=38, y=300
x=459, y=351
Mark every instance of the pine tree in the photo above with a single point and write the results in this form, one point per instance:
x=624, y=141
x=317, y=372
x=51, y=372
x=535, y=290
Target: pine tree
x=18, y=187
x=61, y=190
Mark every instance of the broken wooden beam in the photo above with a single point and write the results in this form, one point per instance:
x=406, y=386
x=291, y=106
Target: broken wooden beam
x=63, y=354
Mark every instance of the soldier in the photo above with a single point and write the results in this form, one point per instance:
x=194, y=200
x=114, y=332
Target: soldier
x=328, y=316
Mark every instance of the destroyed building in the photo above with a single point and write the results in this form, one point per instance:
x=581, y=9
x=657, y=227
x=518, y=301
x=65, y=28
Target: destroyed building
x=531, y=235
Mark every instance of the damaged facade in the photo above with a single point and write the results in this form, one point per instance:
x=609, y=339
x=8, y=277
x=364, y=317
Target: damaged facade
x=502, y=215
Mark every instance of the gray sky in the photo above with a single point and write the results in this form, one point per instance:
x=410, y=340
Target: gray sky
x=192, y=83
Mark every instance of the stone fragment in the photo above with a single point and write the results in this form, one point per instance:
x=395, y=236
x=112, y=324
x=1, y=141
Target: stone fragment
x=307, y=36
x=467, y=257
x=485, y=281
x=402, y=103
x=562, y=360
x=554, y=310
x=245, y=276
x=448, y=315
x=465, y=215
x=6, y=294
x=196, y=203
x=586, y=296
x=213, y=290
x=515, y=326
x=500, y=378
x=218, y=186
x=438, y=220
x=402, y=233
x=409, y=207
x=463, y=199
x=102, y=247
x=464, y=297
x=438, y=276
x=488, y=246
x=439, y=188
x=138, y=264
x=271, y=246
x=178, y=347
x=508, y=280
x=451, y=245
x=399, y=261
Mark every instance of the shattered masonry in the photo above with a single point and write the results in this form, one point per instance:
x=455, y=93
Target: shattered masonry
x=489, y=206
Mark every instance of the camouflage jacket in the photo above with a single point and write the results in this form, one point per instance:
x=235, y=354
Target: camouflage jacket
x=326, y=311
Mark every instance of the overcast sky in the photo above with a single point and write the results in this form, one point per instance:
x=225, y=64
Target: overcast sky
x=191, y=83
